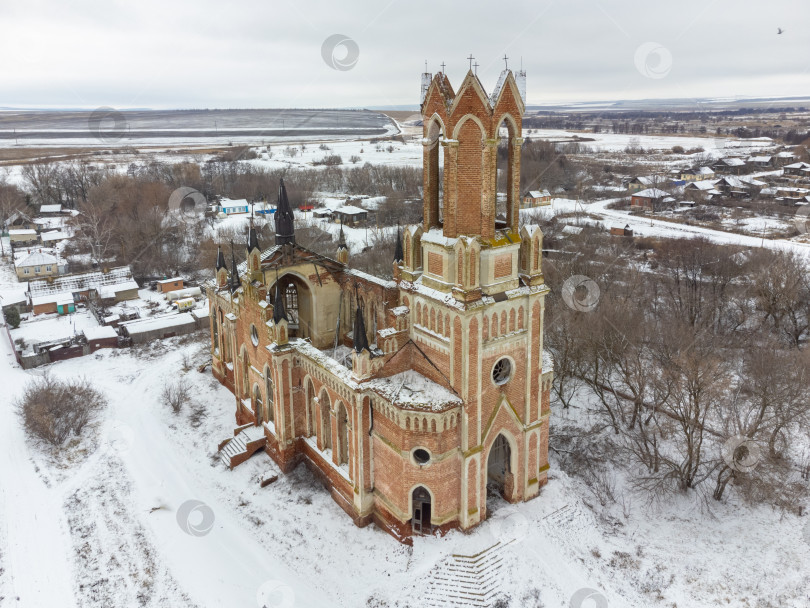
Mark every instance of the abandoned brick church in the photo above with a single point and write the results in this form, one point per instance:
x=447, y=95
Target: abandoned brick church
x=414, y=399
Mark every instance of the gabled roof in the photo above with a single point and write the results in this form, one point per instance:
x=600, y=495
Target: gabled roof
x=37, y=258
x=651, y=193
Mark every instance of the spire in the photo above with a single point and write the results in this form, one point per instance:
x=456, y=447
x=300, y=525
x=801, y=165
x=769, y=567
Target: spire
x=220, y=258
x=253, y=238
x=234, y=271
x=359, y=338
x=285, y=225
x=278, y=306
x=398, y=256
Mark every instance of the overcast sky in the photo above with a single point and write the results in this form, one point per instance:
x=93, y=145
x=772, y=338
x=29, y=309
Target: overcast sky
x=240, y=54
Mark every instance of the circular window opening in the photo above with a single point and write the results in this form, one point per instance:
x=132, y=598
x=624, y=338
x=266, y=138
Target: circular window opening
x=502, y=371
x=254, y=335
x=421, y=456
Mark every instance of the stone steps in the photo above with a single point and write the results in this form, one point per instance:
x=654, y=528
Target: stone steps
x=239, y=448
x=467, y=581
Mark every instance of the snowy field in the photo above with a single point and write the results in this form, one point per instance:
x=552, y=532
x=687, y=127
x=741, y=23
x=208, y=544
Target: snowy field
x=108, y=522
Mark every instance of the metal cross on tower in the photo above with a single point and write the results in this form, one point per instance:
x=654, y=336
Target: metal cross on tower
x=471, y=60
x=475, y=65
x=505, y=61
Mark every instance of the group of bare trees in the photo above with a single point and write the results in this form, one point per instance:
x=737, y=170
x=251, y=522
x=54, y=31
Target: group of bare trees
x=697, y=356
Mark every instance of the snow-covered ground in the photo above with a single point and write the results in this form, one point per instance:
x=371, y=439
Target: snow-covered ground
x=648, y=226
x=113, y=526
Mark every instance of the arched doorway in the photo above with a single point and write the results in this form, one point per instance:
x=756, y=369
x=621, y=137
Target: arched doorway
x=433, y=166
x=499, y=472
x=326, y=422
x=420, y=515
x=343, y=434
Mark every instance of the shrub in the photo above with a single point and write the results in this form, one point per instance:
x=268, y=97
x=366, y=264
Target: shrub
x=176, y=395
x=13, y=317
x=677, y=150
x=54, y=409
x=354, y=159
x=330, y=160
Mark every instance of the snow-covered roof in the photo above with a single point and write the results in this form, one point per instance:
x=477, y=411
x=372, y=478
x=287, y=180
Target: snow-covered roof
x=21, y=231
x=37, y=258
x=705, y=184
x=572, y=229
x=759, y=159
x=350, y=210
x=705, y=171
x=732, y=162
x=50, y=208
x=413, y=390
x=165, y=281
x=146, y=325
x=227, y=204
x=651, y=193
x=799, y=165
x=538, y=193
x=99, y=333
x=53, y=235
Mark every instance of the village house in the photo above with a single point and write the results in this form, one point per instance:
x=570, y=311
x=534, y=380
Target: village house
x=413, y=399
x=50, y=210
x=167, y=285
x=739, y=187
x=697, y=174
x=229, y=207
x=536, y=198
x=652, y=199
x=761, y=163
x=36, y=264
x=800, y=169
x=640, y=183
x=730, y=166
x=703, y=190
x=350, y=215
x=23, y=236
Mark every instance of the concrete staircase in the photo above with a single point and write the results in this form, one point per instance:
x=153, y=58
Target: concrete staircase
x=465, y=581
x=246, y=441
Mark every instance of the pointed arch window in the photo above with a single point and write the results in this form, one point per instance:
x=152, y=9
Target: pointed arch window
x=291, y=303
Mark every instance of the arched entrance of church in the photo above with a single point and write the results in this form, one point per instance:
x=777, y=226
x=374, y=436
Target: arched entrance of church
x=500, y=481
x=297, y=304
x=420, y=520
